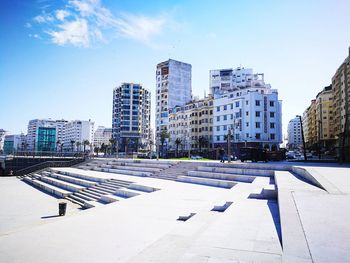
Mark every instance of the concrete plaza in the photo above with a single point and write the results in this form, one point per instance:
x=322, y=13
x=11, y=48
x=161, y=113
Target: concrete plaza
x=212, y=213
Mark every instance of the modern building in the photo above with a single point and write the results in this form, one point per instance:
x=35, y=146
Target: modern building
x=294, y=134
x=13, y=143
x=76, y=133
x=2, y=138
x=191, y=126
x=341, y=104
x=131, y=117
x=309, y=126
x=33, y=130
x=173, y=88
x=102, y=135
x=251, y=113
x=226, y=80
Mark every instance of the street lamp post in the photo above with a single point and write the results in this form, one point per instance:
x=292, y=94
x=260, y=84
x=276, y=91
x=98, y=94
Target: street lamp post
x=302, y=136
x=229, y=145
x=157, y=146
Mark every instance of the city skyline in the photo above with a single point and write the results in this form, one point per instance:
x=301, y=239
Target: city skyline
x=50, y=71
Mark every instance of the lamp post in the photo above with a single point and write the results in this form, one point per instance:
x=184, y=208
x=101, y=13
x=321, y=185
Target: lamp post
x=302, y=136
x=157, y=146
x=229, y=145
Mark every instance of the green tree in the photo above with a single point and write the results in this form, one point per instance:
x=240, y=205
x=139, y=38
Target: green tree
x=85, y=143
x=177, y=143
x=163, y=136
x=112, y=142
x=202, y=142
x=78, y=144
x=72, y=145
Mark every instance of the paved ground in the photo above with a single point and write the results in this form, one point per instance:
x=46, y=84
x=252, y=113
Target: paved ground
x=22, y=206
x=315, y=223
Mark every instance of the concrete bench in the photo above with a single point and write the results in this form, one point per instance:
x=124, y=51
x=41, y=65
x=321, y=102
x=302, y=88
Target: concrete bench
x=241, y=171
x=56, y=191
x=142, y=188
x=222, y=176
x=206, y=181
x=126, y=193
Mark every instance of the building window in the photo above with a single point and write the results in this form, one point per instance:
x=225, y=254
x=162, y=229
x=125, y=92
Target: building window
x=225, y=117
x=231, y=106
x=272, y=103
x=247, y=124
x=218, y=138
x=218, y=128
x=237, y=104
x=272, y=114
x=218, y=108
x=272, y=136
x=246, y=102
x=247, y=113
x=257, y=136
x=225, y=107
x=257, y=125
x=257, y=103
x=272, y=125
x=257, y=114
x=217, y=118
x=225, y=127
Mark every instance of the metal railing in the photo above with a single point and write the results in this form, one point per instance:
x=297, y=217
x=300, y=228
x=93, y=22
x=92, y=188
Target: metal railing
x=47, y=164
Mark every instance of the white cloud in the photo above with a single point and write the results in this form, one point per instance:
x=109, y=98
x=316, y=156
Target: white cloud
x=75, y=33
x=83, y=21
x=62, y=14
x=28, y=25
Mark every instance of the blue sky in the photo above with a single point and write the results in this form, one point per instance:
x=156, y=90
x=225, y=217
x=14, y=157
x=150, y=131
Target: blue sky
x=62, y=59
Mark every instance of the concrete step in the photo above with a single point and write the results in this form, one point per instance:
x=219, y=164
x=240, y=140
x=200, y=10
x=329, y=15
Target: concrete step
x=84, y=196
x=127, y=172
x=97, y=191
x=92, y=204
x=56, y=191
x=127, y=193
x=75, y=201
x=255, y=172
x=114, y=185
x=149, y=165
x=207, y=181
x=132, y=168
x=80, y=176
x=73, y=180
x=222, y=176
x=104, y=189
x=109, y=198
x=142, y=188
x=62, y=184
x=109, y=187
x=92, y=194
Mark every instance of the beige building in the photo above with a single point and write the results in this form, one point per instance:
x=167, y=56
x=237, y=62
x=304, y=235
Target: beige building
x=192, y=124
x=341, y=101
x=324, y=118
x=309, y=125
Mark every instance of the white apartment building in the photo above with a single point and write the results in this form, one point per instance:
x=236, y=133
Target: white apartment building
x=253, y=114
x=14, y=142
x=33, y=127
x=78, y=131
x=102, y=135
x=2, y=138
x=225, y=80
x=294, y=134
x=173, y=88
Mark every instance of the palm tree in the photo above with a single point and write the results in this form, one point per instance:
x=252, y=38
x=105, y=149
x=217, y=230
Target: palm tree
x=127, y=141
x=96, y=149
x=62, y=146
x=85, y=143
x=72, y=144
x=112, y=142
x=163, y=136
x=103, y=148
x=202, y=142
x=78, y=144
x=178, y=143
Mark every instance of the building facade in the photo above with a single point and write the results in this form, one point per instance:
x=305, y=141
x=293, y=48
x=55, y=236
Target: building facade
x=251, y=113
x=226, y=80
x=2, y=139
x=76, y=132
x=131, y=117
x=309, y=126
x=191, y=126
x=102, y=135
x=33, y=130
x=294, y=134
x=13, y=143
x=173, y=88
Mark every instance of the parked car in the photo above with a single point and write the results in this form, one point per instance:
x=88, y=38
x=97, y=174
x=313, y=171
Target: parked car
x=233, y=158
x=196, y=157
x=253, y=154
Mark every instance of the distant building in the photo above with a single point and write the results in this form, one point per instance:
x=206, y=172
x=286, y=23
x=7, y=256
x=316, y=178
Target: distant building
x=2, y=138
x=192, y=125
x=131, y=117
x=309, y=126
x=13, y=143
x=226, y=80
x=173, y=88
x=294, y=134
x=252, y=113
x=102, y=135
x=33, y=130
x=76, y=132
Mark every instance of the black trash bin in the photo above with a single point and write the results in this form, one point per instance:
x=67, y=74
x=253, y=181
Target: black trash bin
x=62, y=207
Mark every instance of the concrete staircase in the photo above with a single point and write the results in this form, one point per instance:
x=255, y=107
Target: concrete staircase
x=176, y=170
x=84, y=190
